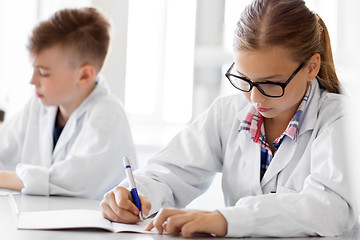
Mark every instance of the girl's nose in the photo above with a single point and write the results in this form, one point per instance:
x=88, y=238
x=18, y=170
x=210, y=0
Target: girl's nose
x=257, y=96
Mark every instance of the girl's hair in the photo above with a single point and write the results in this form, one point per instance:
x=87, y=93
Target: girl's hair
x=291, y=24
x=84, y=32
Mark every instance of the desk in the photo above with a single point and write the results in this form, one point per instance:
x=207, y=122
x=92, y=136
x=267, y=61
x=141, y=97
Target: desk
x=9, y=231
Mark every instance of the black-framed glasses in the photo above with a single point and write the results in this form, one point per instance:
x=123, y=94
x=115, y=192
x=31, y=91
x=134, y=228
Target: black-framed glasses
x=268, y=88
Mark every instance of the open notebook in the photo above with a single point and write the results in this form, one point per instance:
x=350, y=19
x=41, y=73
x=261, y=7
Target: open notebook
x=75, y=218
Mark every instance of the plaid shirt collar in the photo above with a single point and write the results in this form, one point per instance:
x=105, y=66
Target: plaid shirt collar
x=253, y=124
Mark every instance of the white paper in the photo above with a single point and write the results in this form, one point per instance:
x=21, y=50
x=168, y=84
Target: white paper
x=138, y=228
x=75, y=218
x=6, y=192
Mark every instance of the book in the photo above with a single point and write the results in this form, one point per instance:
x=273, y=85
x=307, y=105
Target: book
x=75, y=219
x=6, y=192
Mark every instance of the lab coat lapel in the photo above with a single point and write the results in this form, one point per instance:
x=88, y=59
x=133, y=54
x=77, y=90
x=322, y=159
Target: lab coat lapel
x=250, y=170
x=280, y=160
x=66, y=134
x=46, y=121
x=71, y=125
x=287, y=149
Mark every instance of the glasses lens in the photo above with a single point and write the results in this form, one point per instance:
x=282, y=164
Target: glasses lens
x=239, y=83
x=272, y=90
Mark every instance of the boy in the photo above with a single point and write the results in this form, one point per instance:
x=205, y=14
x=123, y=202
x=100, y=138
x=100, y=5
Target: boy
x=70, y=138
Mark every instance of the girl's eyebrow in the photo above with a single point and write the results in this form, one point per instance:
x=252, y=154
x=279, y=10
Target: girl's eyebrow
x=275, y=76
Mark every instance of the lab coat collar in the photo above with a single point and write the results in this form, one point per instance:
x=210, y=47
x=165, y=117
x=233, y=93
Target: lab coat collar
x=310, y=113
x=282, y=157
x=284, y=154
x=46, y=120
x=71, y=125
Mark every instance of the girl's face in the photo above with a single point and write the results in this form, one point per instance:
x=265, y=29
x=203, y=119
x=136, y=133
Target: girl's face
x=53, y=77
x=273, y=64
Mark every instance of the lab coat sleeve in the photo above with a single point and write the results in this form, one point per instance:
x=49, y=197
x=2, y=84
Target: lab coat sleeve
x=93, y=164
x=11, y=135
x=322, y=208
x=185, y=168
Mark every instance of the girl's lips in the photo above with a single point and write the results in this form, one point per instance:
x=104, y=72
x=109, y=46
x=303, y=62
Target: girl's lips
x=39, y=95
x=263, y=109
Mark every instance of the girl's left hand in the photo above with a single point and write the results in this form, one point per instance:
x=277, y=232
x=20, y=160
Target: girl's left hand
x=188, y=222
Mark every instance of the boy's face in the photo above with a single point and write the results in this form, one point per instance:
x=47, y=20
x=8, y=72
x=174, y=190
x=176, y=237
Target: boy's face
x=55, y=80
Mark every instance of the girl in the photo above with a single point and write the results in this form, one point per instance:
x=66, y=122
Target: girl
x=279, y=144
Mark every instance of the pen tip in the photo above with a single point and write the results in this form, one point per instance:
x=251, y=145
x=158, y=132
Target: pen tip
x=141, y=216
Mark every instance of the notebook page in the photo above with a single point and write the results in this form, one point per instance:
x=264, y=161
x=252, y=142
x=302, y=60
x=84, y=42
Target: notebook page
x=137, y=228
x=63, y=219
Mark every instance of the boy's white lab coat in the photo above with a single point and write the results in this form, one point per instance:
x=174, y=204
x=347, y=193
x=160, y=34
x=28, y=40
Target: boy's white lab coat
x=87, y=159
x=303, y=192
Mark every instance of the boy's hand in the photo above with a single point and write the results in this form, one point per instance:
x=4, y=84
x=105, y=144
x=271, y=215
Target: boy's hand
x=189, y=222
x=118, y=206
x=10, y=180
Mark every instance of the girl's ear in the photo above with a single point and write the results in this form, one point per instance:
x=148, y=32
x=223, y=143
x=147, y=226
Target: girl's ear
x=313, y=68
x=87, y=75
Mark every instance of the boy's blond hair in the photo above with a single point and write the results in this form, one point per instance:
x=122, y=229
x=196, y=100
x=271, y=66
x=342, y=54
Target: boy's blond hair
x=83, y=32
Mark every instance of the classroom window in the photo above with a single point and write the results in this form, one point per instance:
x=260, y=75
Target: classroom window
x=15, y=71
x=160, y=56
x=16, y=24
x=47, y=8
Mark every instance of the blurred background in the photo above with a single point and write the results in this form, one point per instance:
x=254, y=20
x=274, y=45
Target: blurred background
x=167, y=59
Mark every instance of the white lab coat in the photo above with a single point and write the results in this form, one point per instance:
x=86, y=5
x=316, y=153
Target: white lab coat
x=87, y=159
x=303, y=192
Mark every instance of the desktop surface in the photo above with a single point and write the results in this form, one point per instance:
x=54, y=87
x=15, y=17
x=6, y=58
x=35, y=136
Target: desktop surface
x=24, y=203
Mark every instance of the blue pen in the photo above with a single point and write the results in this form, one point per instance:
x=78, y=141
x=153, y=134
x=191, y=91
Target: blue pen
x=133, y=190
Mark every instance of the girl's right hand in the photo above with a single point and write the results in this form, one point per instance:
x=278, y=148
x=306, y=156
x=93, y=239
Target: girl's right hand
x=118, y=206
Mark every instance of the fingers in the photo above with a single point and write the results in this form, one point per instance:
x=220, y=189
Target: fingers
x=189, y=222
x=162, y=219
x=145, y=205
x=107, y=212
x=123, y=199
x=212, y=222
x=105, y=206
x=117, y=206
x=150, y=226
x=176, y=223
x=190, y=228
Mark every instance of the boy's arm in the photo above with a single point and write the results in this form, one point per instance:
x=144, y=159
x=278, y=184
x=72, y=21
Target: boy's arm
x=11, y=138
x=9, y=180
